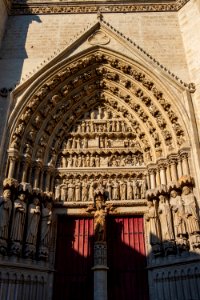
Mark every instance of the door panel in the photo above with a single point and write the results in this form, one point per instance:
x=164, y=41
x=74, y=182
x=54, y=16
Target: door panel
x=74, y=259
x=127, y=276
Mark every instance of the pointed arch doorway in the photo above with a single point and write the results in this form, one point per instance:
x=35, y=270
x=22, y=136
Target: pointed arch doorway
x=99, y=117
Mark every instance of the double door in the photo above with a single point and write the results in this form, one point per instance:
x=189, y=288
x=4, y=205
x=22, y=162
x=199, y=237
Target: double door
x=127, y=276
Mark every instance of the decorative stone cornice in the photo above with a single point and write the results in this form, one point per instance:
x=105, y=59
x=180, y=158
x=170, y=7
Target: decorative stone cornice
x=19, y=7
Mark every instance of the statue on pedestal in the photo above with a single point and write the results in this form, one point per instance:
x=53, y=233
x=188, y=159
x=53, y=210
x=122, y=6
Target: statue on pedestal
x=18, y=223
x=32, y=227
x=5, y=213
x=153, y=227
x=46, y=221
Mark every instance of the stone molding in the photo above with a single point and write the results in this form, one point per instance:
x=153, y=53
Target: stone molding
x=20, y=8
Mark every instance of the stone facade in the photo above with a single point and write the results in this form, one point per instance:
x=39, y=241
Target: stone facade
x=100, y=118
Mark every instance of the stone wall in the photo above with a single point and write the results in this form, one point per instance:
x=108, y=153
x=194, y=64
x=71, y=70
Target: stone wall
x=178, y=281
x=189, y=20
x=31, y=39
x=25, y=281
x=3, y=18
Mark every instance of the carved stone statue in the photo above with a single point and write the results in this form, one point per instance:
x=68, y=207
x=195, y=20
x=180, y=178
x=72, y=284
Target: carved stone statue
x=46, y=221
x=177, y=214
x=129, y=189
x=85, y=190
x=115, y=190
x=5, y=213
x=63, y=192
x=109, y=189
x=91, y=191
x=32, y=227
x=122, y=190
x=143, y=189
x=100, y=220
x=165, y=219
x=153, y=227
x=18, y=223
x=192, y=218
x=78, y=190
x=70, y=194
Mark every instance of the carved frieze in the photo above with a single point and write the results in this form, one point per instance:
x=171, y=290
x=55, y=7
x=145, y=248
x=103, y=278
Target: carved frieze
x=19, y=8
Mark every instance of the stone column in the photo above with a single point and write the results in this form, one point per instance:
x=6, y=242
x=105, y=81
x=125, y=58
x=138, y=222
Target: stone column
x=185, y=165
x=36, y=177
x=168, y=174
x=152, y=178
x=41, y=179
x=11, y=170
x=173, y=170
x=100, y=271
x=179, y=168
x=163, y=175
x=47, y=181
x=24, y=172
x=158, y=177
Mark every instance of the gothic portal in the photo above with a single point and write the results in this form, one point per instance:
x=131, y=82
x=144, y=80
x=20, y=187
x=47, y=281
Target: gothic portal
x=100, y=182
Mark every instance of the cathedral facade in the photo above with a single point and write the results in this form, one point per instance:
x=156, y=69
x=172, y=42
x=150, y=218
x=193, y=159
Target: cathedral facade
x=99, y=157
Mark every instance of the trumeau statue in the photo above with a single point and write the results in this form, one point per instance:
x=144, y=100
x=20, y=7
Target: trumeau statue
x=5, y=213
x=18, y=223
x=100, y=220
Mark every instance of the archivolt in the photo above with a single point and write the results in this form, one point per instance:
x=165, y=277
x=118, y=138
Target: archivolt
x=98, y=77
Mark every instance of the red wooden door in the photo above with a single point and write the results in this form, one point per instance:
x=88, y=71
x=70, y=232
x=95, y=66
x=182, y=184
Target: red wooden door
x=74, y=259
x=127, y=276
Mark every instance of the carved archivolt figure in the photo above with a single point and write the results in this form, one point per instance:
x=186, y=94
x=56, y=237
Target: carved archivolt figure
x=192, y=219
x=153, y=226
x=46, y=221
x=5, y=213
x=33, y=221
x=178, y=214
x=165, y=219
x=18, y=223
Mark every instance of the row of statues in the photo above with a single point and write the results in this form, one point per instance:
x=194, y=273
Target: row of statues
x=83, y=190
x=90, y=126
x=173, y=222
x=90, y=160
x=23, y=227
x=84, y=142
